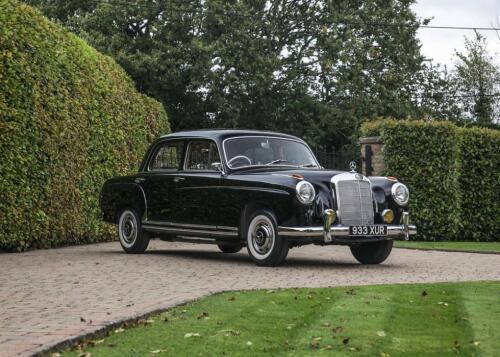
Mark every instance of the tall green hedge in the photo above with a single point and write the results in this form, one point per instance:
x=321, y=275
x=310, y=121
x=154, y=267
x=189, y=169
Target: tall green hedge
x=69, y=119
x=453, y=175
x=479, y=179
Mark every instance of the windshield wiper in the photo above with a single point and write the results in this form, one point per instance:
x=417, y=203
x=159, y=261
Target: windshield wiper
x=279, y=161
x=309, y=165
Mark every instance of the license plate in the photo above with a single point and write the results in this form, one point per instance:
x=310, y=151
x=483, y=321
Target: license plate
x=367, y=230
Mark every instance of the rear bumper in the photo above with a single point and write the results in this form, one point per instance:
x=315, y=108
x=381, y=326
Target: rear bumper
x=341, y=233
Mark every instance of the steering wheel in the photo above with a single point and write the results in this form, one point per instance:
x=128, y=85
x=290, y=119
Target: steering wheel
x=239, y=157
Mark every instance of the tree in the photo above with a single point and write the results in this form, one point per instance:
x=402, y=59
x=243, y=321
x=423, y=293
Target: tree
x=314, y=68
x=478, y=80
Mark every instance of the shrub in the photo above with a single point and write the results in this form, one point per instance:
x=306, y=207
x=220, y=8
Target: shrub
x=424, y=156
x=453, y=175
x=479, y=180
x=69, y=119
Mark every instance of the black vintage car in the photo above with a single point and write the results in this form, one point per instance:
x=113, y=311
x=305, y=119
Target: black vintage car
x=262, y=190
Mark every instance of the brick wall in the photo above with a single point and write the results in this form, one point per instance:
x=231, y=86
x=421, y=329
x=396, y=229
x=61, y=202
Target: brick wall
x=373, y=165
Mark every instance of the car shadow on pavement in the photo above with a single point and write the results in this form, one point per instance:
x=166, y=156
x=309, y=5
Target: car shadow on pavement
x=243, y=258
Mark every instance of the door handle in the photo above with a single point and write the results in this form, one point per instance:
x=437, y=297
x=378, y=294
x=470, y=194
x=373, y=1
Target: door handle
x=139, y=179
x=178, y=179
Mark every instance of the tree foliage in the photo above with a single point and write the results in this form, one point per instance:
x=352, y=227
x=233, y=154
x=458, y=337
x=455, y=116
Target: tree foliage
x=314, y=68
x=478, y=79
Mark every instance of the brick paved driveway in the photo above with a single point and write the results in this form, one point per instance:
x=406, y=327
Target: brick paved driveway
x=51, y=295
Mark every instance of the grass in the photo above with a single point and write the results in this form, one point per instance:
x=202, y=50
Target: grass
x=458, y=246
x=431, y=319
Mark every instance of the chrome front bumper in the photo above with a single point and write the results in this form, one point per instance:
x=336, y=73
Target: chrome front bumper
x=404, y=230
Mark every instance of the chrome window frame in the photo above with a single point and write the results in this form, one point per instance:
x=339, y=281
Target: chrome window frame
x=189, y=141
x=268, y=137
x=158, y=147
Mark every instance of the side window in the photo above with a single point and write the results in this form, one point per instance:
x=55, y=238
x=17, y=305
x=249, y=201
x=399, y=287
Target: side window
x=168, y=157
x=201, y=155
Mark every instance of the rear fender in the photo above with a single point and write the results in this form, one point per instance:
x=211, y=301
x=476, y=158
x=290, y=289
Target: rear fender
x=117, y=196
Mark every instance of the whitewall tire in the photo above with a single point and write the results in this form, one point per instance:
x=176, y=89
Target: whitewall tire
x=264, y=245
x=132, y=238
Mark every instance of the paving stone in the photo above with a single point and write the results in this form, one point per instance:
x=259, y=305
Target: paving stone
x=45, y=294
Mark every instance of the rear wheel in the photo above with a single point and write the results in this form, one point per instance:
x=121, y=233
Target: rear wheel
x=132, y=238
x=372, y=252
x=265, y=246
x=229, y=248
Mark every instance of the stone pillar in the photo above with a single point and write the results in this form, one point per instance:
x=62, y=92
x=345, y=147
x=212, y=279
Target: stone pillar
x=371, y=156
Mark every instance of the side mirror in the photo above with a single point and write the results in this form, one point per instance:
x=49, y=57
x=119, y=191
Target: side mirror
x=217, y=166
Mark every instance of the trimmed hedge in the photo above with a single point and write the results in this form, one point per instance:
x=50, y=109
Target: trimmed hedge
x=449, y=171
x=69, y=119
x=479, y=180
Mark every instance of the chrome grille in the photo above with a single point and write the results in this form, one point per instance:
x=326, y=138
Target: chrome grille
x=355, y=202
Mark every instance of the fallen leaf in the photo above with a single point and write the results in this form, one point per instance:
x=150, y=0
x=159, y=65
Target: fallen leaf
x=85, y=354
x=476, y=343
x=191, y=334
x=381, y=333
x=350, y=291
x=326, y=324
x=249, y=343
x=55, y=354
x=82, y=319
x=338, y=329
x=232, y=298
x=315, y=342
x=424, y=293
x=155, y=352
x=150, y=321
x=118, y=330
x=204, y=314
x=345, y=341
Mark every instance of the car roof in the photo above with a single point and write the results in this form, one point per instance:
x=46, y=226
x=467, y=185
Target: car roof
x=221, y=134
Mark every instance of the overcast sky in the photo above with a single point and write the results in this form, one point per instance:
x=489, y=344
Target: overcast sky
x=440, y=45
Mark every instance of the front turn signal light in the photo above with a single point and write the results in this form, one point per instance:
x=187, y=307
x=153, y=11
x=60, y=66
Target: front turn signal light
x=388, y=216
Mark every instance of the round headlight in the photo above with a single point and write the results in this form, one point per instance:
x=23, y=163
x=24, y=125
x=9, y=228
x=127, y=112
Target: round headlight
x=305, y=192
x=400, y=194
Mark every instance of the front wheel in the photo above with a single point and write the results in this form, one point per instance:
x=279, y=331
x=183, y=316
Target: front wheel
x=132, y=238
x=265, y=246
x=372, y=252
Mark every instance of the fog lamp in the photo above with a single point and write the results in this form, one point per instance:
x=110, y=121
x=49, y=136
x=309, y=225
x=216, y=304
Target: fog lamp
x=388, y=215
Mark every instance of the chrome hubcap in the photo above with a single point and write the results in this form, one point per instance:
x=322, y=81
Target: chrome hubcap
x=128, y=228
x=262, y=237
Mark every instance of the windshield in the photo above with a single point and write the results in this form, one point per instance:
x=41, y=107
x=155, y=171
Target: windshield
x=261, y=151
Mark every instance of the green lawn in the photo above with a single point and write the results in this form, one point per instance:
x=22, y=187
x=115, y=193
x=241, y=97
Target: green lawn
x=460, y=246
x=425, y=319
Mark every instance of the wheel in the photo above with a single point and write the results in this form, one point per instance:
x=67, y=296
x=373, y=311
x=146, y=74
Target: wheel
x=229, y=248
x=132, y=238
x=264, y=245
x=372, y=252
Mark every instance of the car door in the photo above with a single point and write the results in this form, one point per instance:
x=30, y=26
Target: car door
x=198, y=185
x=159, y=179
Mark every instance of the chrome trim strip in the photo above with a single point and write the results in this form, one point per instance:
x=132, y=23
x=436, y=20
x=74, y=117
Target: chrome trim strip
x=248, y=188
x=339, y=231
x=173, y=230
x=227, y=228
